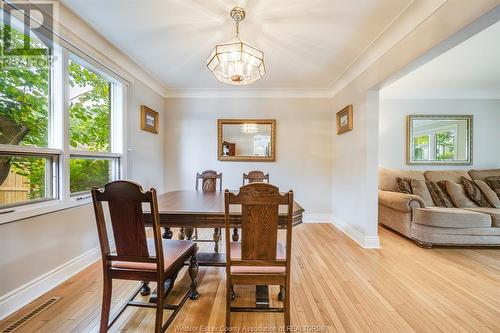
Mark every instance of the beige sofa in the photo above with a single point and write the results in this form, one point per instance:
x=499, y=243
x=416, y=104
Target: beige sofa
x=427, y=225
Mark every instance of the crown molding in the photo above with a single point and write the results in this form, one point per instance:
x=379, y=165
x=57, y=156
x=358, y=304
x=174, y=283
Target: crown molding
x=428, y=93
x=243, y=92
x=407, y=21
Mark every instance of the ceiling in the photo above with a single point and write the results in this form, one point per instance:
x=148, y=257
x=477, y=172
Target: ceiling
x=308, y=44
x=472, y=65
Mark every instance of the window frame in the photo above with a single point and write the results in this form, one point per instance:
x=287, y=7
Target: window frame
x=58, y=135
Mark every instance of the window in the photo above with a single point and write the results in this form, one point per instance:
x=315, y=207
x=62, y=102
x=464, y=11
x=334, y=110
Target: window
x=90, y=127
x=445, y=146
x=46, y=120
x=421, y=145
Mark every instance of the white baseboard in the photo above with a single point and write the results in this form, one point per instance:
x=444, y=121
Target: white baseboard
x=316, y=218
x=367, y=242
x=30, y=291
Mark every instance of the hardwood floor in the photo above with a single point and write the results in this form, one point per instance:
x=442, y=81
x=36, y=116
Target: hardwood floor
x=336, y=286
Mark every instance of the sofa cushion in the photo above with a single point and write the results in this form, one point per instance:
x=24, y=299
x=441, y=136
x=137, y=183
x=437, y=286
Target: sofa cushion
x=439, y=196
x=404, y=185
x=494, y=183
x=387, y=178
x=450, y=218
x=483, y=174
x=474, y=193
x=451, y=175
x=493, y=212
x=458, y=195
x=490, y=195
x=419, y=188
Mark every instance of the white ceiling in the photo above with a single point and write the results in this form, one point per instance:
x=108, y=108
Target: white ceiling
x=472, y=65
x=308, y=44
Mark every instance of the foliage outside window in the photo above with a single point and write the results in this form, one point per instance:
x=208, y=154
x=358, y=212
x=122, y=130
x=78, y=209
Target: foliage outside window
x=29, y=173
x=445, y=146
x=421, y=147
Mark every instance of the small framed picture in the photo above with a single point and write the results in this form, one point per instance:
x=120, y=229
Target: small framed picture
x=149, y=119
x=344, y=120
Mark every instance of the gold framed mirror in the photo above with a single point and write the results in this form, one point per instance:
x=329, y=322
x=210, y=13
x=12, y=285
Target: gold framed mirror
x=246, y=140
x=439, y=140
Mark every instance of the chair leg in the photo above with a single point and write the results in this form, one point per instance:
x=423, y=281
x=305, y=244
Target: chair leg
x=287, y=308
x=229, y=288
x=160, y=299
x=281, y=294
x=106, y=303
x=181, y=234
x=193, y=273
x=216, y=237
x=233, y=294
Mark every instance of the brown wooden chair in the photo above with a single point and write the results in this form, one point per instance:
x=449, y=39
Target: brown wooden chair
x=255, y=176
x=208, y=180
x=260, y=259
x=136, y=257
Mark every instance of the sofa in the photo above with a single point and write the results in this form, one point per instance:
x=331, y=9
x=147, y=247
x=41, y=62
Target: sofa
x=420, y=219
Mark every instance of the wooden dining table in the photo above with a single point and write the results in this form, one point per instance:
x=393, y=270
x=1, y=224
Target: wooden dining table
x=198, y=209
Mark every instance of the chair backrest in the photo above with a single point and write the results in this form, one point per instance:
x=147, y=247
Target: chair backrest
x=209, y=180
x=259, y=224
x=124, y=200
x=255, y=176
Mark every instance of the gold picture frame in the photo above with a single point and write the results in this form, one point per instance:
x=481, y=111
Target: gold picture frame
x=344, y=120
x=149, y=119
x=220, y=140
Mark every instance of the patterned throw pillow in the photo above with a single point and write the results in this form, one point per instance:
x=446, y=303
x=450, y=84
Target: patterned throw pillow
x=474, y=193
x=419, y=188
x=490, y=195
x=494, y=183
x=458, y=196
x=404, y=185
x=440, y=197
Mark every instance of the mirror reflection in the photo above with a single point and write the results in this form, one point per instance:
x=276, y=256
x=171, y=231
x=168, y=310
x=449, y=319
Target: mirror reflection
x=440, y=139
x=246, y=140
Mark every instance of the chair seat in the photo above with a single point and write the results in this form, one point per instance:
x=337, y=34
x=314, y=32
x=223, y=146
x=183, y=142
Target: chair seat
x=174, y=252
x=236, y=255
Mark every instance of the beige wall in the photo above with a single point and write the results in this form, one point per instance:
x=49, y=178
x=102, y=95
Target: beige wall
x=304, y=134
x=392, y=129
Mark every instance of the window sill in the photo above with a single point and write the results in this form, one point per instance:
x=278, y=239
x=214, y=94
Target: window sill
x=32, y=210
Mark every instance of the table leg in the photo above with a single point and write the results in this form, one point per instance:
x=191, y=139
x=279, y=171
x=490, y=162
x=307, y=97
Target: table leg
x=216, y=239
x=235, y=236
x=189, y=233
x=262, y=296
x=168, y=233
x=145, y=290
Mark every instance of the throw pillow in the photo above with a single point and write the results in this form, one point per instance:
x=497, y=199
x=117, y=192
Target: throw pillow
x=474, y=193
x=420, y=189
x=494, y=183
x=490, y=195
x=458, y=196
x=404, y=185
x=440, y=197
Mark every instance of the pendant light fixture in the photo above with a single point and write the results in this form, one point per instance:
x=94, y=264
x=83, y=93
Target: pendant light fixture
x=236, y=62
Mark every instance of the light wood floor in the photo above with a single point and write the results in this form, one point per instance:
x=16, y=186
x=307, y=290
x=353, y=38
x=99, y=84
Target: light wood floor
x=336, y=286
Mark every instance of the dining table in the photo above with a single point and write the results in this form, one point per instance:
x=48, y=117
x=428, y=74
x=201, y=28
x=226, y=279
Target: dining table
x=201, y=209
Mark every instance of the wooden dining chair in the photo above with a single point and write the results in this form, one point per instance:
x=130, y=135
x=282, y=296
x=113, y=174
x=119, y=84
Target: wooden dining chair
x=208, y=180
x=255, y=176
x=137, y=257
x=259, y=259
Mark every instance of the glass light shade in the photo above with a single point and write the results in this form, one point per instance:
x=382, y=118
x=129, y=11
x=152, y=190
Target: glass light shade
x=249, y=128
x=236, y=63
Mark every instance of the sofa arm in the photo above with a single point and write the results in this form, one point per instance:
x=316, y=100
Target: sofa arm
x=400, y=201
